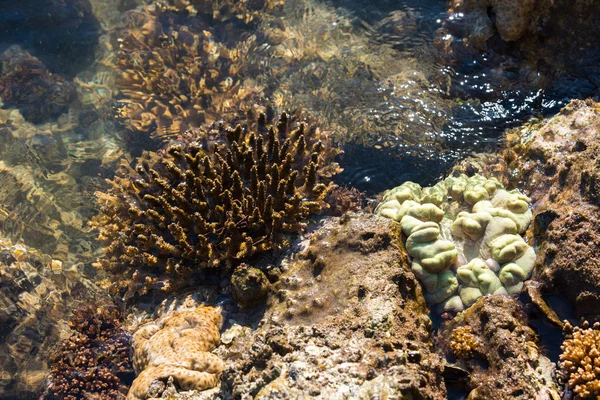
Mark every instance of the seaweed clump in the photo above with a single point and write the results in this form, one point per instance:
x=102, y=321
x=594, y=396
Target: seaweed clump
x=95, y=361
x=195, y=205
x=580, y=360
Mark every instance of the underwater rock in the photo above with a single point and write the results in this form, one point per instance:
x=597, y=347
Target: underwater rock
x=493, y=342
x=61, y=33
x=346, y=318
x=248, y=285
x=178, y=346
x=464, y=237
x=198, y=205
x=525, y=44
x=95, y=361
x=35, y=302
x=26, y=84
x=557, y=163
x=512, y=17
x=580, y=360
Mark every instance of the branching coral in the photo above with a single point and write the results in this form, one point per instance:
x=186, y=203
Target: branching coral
x=463, y=343
x=25, y=83
x=178, y=346
x=192, y=207
x=223, y=10
x=469, y=247
x=580, y=360
x=95, y=361
x=172, y=70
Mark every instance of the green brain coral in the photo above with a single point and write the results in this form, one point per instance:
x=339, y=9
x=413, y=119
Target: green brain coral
x=463, y=235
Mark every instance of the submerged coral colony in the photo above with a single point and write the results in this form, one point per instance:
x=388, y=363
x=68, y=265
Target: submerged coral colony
x=229, y=203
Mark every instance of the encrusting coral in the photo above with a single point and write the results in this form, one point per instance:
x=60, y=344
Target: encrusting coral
x=178, y=346
x=580, y=360
x=192, y=207
x=95, y=361
x=464, y=237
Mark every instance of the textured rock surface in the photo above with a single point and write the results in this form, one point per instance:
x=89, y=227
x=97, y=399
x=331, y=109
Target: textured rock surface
x=346, y=319
x=557, y=163
x=494, y=344
x=512, y=16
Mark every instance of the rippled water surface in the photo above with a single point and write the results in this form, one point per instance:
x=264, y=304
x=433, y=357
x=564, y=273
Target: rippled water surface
x=370, y=71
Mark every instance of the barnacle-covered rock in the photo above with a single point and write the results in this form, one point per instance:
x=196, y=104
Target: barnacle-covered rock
x=192, y=207
x=26, y=84
x=346, y=319
x=178, y=346
x=95, y=361
x=580, y=360
x=464, y=237
x=176, y=71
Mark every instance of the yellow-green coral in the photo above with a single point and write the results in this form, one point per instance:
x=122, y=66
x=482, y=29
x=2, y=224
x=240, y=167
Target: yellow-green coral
x=190, y=207
x=178, y=346
x=580, y=360
x=463, y=235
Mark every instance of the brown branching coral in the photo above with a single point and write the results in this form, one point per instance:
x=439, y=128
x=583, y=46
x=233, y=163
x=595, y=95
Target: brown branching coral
x=580, y=360
x=95, y=361
x=25, y=83
x=192, y=207
x=222, y=10
x=463, y=343
x=173, y=72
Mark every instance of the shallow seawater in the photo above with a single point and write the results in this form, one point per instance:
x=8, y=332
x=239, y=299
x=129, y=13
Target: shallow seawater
x=370, y=71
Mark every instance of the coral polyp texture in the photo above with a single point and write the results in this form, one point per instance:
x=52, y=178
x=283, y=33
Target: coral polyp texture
x=580, y=360
x=178, y=346
x=95, y=361
x=178, y=69
x=195, y=206
x=464, y=237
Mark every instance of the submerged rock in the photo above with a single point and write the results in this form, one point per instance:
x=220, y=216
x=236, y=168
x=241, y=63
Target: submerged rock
x=493, y=342
x=557, y=163
x=346, y=319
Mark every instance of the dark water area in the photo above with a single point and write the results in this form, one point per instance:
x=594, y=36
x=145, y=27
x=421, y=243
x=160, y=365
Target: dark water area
x=62, y=34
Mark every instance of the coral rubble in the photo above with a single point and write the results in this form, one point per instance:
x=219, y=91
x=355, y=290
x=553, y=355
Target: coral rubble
x=95, y=361
x=494, y=344
x=464, y=237
x=580, y=360
x=192, y=207
x=25, y=83
x=347, y=318
x=178, y=346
